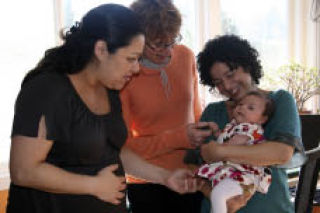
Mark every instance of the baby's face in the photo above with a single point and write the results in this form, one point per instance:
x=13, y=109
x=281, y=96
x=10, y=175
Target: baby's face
x=250, y=110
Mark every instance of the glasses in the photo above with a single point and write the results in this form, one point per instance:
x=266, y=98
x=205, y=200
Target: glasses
x=162, y=46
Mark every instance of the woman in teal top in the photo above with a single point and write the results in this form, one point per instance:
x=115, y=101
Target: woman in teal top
x=231, y=65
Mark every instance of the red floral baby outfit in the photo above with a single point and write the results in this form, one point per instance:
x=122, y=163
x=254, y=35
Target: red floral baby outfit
x=260, y=177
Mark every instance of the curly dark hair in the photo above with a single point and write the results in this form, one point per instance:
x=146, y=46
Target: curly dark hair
x=115, y=24
x=234, y=52
x=160, y=18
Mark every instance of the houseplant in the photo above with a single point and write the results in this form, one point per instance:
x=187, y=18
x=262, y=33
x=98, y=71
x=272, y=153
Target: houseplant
x=302, y=82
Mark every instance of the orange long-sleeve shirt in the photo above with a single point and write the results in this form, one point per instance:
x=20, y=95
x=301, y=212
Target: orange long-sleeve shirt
x=157, y=123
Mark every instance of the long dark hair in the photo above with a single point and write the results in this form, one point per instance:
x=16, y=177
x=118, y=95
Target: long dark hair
x=113, y=23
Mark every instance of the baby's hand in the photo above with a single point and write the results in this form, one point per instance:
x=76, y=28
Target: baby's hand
x=238, y=140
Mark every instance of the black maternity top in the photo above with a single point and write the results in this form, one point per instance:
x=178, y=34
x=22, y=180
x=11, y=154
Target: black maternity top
x=84, y=142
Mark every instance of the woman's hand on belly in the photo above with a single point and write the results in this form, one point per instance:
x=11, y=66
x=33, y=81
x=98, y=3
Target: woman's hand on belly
x=107, y=186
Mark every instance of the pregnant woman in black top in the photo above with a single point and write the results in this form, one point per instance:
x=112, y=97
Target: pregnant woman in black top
x=68, y=131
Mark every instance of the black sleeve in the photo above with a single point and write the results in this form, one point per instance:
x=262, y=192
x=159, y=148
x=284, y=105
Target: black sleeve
x=36, y=98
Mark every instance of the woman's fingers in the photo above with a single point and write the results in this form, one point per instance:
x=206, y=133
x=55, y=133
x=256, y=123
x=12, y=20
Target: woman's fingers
x=122, y=187
x=197, y=133
x=108, y=186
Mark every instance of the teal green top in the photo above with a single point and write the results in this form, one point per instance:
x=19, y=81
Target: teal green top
x=283, y=127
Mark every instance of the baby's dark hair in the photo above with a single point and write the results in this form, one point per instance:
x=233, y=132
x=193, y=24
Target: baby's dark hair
x=269, y=107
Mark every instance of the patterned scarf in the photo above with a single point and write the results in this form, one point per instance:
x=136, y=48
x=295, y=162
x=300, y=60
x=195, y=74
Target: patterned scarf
x=163, y=75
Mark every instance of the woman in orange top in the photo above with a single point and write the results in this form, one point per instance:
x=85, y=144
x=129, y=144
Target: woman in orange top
x=158, y=106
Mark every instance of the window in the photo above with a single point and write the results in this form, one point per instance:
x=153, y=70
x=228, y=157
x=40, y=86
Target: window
x=26, y=33
x=263, y=23
x=74, y=10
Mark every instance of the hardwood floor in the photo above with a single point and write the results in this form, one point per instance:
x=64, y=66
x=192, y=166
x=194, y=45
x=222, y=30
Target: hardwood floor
x=316, y=209
x=3, y=200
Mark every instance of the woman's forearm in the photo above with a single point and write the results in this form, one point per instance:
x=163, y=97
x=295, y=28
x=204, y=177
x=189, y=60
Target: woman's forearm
x=50, y=178
x=264, y=154
x=136, y=166
x=179, y=180
x=28, y=168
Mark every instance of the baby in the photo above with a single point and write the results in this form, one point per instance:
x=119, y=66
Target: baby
x=230, y=179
